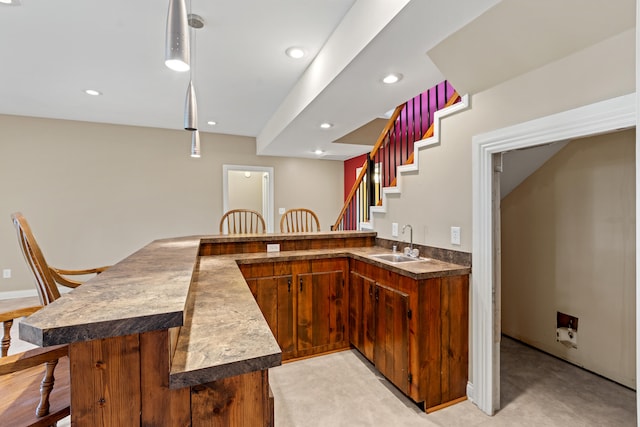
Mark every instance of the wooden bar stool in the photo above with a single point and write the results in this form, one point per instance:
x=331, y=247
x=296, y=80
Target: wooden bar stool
x=242, y=221
x=299, y=220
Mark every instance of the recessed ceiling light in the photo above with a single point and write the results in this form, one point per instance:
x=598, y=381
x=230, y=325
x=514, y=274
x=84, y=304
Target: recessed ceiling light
x=319, y=152
x=326, y=125
x=392, y=78
x=211, y=123
x=92, y=92
x=295, y=52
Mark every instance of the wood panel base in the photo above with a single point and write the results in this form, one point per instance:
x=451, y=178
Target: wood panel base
x=125, y=381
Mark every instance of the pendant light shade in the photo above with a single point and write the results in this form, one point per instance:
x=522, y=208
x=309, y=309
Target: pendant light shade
x=195, y=144
x=177, y=50
x=190, y=109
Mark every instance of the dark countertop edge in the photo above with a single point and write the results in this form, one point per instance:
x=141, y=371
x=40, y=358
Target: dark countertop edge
x=213, y=373
x=96, y=330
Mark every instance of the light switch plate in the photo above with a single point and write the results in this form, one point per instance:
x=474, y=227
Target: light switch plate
x=455, y=235
x=394, y=229
x=281, y=211
x=6, y=273
x=273, y=247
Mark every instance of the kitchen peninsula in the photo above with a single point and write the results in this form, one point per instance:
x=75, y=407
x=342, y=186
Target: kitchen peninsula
x=172, y=335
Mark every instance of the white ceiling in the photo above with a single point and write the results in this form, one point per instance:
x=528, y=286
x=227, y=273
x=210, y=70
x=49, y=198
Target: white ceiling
x=517, y=36
x=53, y=50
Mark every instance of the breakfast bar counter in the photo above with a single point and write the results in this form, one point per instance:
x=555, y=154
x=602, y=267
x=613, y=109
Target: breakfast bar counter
x=159, y=337
x=172, y=335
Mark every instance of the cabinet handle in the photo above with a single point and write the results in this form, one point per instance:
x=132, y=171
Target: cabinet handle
x=370, y=290
x=377, y=294
x=289, y=285
x=300, y=284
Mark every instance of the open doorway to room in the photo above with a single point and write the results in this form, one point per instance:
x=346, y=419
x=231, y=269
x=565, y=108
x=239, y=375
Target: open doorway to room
x=567, y=285
x=249, y=187
x=595, y=119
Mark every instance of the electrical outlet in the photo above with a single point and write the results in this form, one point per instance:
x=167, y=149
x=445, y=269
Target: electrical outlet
x=394, y=229
x=281, y=211
x=273, y=247
x=455, y=235
x=6, y=273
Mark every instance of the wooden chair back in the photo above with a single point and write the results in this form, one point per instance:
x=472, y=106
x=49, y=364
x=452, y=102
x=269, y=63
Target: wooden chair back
x=45, y=283
x=299, y=220
x=47, y=278
x=29, y=397
x=242, y=221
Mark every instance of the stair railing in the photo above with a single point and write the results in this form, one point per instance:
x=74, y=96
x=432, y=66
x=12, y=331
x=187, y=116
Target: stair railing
x=356, y=206
x=410, y=122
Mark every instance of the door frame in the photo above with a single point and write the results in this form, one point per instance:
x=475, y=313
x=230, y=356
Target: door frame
x=268, y=214
x=598, y=118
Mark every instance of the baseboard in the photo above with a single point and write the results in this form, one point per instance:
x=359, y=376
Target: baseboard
x=470, y=391
x=18, y=294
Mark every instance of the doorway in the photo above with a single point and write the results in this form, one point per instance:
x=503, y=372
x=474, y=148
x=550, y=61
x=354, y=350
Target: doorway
x=602, y=117
x=249, y=187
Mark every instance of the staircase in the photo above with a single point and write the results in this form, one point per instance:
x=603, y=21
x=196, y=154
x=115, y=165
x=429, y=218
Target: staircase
x=412, y=126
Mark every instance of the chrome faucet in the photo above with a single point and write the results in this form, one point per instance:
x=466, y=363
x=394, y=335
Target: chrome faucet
x=411, y=253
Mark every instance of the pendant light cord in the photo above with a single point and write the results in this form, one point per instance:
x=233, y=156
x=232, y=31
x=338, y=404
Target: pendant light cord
x=192, y=44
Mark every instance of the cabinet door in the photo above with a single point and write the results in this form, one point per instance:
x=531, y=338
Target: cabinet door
x=391, y=353
x=321, y=312
x=368, y=318
x=355, y=310
x=362, y=314
x=285, y=334
x=274, y=296
x=265, y=292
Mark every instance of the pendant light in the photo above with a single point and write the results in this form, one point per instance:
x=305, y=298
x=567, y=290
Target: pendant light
x=195, y=144
x=190, y=109
x=176, y=55
x=190, y=104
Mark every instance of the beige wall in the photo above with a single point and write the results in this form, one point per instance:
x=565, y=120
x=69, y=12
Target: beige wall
x=568, y=245
x=440, y=195
x=245, y=192
x=94, y=193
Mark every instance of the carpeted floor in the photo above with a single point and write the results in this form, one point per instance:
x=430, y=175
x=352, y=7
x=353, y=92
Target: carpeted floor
x=343, y=389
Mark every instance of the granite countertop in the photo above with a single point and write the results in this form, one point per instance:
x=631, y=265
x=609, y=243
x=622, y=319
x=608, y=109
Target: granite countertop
x=144, y=292
x=166, y=284
x=225, y=333
x=423, y=268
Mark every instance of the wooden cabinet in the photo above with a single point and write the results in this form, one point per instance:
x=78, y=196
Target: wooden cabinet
x=391, y=350
x=414, y=331
x=321, y=314
x=361, y=313
x=274, y=295
x=304, y=302
x=379, y=326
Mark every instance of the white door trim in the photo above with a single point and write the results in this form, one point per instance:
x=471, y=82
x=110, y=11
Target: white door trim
x=269, y=195
x=602, y=117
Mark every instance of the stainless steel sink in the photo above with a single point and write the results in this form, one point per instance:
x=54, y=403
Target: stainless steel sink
x=397, y=258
